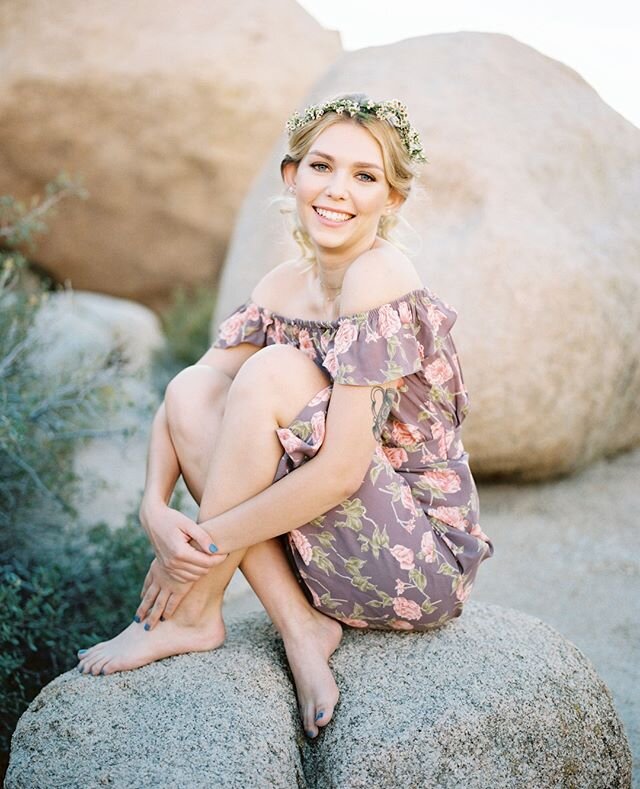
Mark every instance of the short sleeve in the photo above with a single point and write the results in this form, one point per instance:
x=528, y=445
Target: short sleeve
x=247, y=323
x=389, y=341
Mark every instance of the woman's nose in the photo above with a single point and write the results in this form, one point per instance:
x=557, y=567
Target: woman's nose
x=337, y=187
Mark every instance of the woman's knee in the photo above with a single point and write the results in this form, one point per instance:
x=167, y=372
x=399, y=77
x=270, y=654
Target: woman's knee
x=193, y=390
x=279, y=369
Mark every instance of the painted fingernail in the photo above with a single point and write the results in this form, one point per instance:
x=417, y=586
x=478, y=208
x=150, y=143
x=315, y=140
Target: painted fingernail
x=310, y=734
x=82, y=651
x=319, y=715
x=136, y=618
x=213, y=548
x=147, y=626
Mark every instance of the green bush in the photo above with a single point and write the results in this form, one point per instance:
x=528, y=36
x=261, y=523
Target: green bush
x=51, y=610
x=186, y=323
x=44, y=415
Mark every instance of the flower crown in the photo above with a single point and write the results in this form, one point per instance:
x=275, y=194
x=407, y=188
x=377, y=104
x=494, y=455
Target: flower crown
x=393, y=111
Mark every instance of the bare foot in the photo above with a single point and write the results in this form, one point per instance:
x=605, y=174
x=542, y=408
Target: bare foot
x=136, y=647
x=308, y=649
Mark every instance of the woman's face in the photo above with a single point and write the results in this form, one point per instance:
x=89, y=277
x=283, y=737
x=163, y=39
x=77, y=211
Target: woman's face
x=343, y=172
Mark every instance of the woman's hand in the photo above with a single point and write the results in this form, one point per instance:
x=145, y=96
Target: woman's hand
x=160, y=596
x=182, y=546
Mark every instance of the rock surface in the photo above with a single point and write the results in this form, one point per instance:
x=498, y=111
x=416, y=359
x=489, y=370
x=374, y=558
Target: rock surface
x=495, y=698
x=526, y=224
x=165, y=109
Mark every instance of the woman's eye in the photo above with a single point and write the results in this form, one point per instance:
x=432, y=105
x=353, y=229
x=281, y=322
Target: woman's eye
x=321, y=164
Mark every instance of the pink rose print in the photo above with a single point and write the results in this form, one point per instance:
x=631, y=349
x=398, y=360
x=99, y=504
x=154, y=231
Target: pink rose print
x=405, y=434
x=451, y=515
x=345, y=336
x=406, y=608
x=438, y=372
x=278, y=332
x=406, y=497
x=404, y=556
x=314, y=596
x=322, y=396
x=388, y=321
x=400, y=624
x=404, y=312
x=306, y=344
x=229, y=327
x=477, y=532
x=252, y=312
x=421, y=350
x=443, y=480
x=330, y=362
x=302, y=544
x=409, y=525
x=317, y=427
x=463, y=590
x=396, y=455
x=401, y=586
x=434, y=316
x=354, y=622
x=428, y=547
x=439, y=434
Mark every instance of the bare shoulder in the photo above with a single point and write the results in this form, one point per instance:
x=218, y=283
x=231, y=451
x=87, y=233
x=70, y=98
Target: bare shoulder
x=274, y=287
x=376, y=277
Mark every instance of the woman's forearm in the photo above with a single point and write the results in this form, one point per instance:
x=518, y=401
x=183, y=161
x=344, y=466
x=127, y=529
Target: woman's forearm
x=300, y=496
x=163, y=469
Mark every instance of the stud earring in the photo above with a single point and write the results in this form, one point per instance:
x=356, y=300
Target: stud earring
x=291, y=189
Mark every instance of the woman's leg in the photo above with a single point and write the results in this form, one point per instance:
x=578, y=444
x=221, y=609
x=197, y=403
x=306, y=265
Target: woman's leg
x=238, y=435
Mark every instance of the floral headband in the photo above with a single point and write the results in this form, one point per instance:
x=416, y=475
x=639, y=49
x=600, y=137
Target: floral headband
x=393, y=111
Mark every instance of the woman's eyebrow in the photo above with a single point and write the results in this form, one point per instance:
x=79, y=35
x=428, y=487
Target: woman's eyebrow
x=355, y=164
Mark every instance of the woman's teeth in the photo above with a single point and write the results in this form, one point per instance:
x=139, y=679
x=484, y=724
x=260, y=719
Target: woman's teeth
x=334, y=216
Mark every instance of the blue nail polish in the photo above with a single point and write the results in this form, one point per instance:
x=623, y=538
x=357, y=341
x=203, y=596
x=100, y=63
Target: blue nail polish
x=319, y=715
x=102, y=671
x=310, y=734
x=82, y=651
x=80, y=669
x=136, y=618
x=147, y=626
x=213, y=548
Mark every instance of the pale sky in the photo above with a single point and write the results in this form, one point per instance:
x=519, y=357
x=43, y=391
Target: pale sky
x=600, y=40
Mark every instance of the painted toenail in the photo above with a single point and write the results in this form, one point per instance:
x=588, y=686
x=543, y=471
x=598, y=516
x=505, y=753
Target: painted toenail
x=136, y=618
x=319, y=715
x=162, y=619
x=102, y=671
x=80, y=669
x=147, y=626
x=82, y=651
x=310, y=734
x=213, y=548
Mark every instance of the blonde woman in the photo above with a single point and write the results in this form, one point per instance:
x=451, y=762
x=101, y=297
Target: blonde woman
x=320, y=434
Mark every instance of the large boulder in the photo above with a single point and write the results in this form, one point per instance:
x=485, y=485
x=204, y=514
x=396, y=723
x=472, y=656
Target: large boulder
x=166, y=109
x=526, y=224
x=495, y=698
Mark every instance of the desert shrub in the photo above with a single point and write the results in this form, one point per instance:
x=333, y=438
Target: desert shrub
x=186, y=324
x=44, y=414
x=51, y=610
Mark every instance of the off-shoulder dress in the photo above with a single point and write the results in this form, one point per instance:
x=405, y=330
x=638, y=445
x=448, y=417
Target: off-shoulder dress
x=403, y=551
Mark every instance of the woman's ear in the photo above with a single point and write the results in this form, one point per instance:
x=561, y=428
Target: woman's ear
x=288, y=171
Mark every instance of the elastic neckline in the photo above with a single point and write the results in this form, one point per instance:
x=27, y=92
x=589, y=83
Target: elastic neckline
x=309, y=322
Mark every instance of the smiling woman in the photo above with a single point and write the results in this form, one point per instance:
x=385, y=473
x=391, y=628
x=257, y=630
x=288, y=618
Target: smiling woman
x=320, y=434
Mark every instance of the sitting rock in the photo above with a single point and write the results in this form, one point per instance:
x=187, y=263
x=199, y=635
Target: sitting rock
x=494, y=699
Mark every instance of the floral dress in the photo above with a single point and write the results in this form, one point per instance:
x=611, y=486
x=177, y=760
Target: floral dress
x=403, y=551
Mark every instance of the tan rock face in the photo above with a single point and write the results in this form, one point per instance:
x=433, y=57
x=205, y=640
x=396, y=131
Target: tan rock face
x=167, y=110
x=526, y=225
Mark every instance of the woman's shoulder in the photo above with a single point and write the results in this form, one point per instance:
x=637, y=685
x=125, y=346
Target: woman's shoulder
x=274, y=289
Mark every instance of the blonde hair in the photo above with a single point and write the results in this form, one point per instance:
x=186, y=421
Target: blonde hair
x=400, y=171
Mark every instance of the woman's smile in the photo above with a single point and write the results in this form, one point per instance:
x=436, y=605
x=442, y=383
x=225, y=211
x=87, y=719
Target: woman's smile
x=332, y=218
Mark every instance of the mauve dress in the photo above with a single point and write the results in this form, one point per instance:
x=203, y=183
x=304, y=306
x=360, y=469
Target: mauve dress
x=403, y=551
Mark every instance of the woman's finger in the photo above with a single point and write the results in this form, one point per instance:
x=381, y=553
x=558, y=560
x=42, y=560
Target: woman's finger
x=147, y=601
x=183, y=577
x=173, y=603
x=153, y=617
x=147, y=581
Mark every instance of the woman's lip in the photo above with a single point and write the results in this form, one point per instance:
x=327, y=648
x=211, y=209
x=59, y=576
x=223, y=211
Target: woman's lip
x=330, y=221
